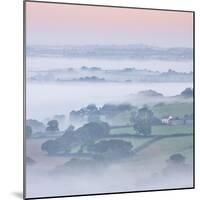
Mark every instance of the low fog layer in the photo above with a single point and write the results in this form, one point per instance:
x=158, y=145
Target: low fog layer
x=117, y=177
x=62, y=98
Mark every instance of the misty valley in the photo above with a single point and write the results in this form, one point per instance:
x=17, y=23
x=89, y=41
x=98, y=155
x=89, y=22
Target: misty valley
x=105, y=129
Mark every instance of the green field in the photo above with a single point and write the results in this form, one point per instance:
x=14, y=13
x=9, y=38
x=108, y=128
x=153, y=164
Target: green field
x=168, y=146
x=161, y=149
x=173, y=109
x=129, y=130
x=158, y=130
x=165, y=129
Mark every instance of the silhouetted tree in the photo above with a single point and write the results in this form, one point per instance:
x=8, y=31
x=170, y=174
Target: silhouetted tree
x=77, y=115
x=91, y=108
x=133, y=116
x=74, y=138
x=36, y=125
x=51, y=146
x=52, y=126
x=177, y=167
x=93, y=130
x=94, y=117
x=176, y=159
x=124, y=107
x=111, y=149
x=109, y=110
x=188, y=92
x=143, y=119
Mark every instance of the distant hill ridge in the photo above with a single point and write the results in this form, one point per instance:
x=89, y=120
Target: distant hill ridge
x=134, y=51
x=151, y=93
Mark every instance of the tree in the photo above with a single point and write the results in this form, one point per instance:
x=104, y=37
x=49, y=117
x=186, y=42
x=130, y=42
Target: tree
x=36, y=125
x=54, y=147
x=93, y=130
x=111, y=149
x=51, y=146
x=77, y=115
x=94, y=117
x=124, y=107
x=188, y=92
x=74, y=138
x=92, y=113
x=143, y=119
x=28, y=131
x=52, y=126
x=91, y=108
x=177, y=167
x=133, y=116
x=109, y=110
x=176, y=158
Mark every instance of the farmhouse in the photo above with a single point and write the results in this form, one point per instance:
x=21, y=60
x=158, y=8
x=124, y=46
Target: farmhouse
x=166, y=119
x=170, y=120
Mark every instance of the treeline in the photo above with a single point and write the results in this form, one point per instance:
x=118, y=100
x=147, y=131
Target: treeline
x=94, y=113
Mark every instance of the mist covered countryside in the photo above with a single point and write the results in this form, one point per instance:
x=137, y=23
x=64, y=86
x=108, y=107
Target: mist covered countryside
x=93, y=120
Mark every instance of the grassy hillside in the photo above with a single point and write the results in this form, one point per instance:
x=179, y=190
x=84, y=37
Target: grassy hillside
x=164, y=148
x=158, y=130
x=164, y=129
x=174, y=109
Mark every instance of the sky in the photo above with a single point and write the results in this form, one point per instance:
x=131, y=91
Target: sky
x=64, y=24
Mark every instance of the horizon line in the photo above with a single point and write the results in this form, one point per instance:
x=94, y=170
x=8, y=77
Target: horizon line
x=93, y=45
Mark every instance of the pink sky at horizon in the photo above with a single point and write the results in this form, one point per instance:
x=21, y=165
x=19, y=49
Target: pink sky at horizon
x=65, y=24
